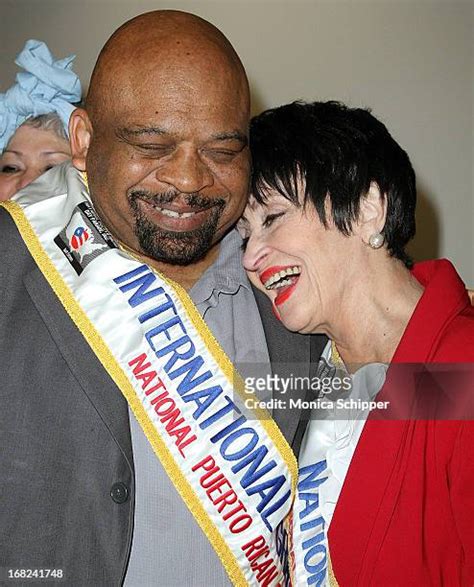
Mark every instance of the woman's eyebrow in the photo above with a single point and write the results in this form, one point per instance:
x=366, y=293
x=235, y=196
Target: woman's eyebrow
x=40, y=153
x=55, y=152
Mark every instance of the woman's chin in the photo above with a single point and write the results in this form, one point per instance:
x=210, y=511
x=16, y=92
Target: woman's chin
x=291, y=321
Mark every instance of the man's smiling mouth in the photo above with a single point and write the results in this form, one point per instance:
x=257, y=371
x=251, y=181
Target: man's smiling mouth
x=175, y=214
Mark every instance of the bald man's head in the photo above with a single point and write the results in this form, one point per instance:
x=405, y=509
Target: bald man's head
x=178, y=45
x=164, y=138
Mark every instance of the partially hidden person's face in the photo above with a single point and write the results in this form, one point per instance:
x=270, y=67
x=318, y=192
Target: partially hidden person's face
x=168, y=165
x=29, y=153
x=303, y=267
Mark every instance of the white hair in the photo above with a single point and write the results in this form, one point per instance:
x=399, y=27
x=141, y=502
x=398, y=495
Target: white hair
x=50, y=121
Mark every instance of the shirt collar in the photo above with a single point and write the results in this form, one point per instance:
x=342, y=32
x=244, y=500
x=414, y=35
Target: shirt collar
x=226, y=274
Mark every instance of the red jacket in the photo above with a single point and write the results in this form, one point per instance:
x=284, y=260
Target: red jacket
x=405, y=515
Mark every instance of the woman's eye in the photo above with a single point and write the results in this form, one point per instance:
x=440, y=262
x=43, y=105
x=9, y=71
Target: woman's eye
x=270, y=219
x=9, y=169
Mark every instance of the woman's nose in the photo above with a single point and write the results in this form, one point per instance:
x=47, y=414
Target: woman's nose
x=255, y=253
x=26, y=178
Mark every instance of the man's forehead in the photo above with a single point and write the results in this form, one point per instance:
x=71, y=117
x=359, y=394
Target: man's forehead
x=158, y=89
x=172, y=109
x=166, y=79
x=172, y=73
x=164, y=115
x=166, y=63
x=167, y=58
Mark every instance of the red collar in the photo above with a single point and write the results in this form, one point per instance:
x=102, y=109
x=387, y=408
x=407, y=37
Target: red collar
x=444, y=297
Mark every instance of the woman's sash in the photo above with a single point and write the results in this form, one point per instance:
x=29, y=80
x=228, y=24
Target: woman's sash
x=231, y=465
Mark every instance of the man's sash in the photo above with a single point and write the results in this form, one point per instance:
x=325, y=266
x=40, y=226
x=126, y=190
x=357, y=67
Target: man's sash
x=231, y=465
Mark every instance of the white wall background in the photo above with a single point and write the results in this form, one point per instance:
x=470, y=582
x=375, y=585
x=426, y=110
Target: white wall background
x=411, y=61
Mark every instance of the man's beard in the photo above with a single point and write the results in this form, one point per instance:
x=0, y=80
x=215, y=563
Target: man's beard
x=167, y=246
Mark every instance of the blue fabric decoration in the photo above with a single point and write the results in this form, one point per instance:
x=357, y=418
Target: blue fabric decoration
x=45, y=86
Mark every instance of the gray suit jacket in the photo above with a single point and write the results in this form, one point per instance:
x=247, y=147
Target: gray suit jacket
x=66, y=463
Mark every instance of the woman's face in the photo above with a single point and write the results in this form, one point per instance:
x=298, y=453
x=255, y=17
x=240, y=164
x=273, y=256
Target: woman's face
x=304, y=268
x=29, y=153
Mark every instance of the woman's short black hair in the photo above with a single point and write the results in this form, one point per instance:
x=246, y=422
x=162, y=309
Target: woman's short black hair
x=337, y=152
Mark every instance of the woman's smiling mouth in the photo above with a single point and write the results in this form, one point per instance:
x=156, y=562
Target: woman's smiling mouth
x=281, y=278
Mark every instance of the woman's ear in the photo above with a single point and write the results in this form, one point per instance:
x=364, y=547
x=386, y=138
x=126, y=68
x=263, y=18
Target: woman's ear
x=80, y=135
x=372, y=213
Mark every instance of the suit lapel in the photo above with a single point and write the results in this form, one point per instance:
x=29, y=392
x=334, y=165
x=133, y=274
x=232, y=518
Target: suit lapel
x=89, y=373
x=290, y=356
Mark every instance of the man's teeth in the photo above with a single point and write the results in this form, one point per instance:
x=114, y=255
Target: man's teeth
x=173, y=214
x=278, y=279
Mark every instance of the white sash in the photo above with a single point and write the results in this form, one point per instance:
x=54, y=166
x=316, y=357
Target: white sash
x=232, y=466
x=327, y=449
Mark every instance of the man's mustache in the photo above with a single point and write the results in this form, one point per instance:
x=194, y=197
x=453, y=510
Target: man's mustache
x=192, y=200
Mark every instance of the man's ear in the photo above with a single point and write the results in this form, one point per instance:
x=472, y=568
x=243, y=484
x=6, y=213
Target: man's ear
x=80, y=135
x=372, y=213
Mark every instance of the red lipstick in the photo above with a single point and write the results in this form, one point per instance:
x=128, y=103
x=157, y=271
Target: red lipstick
x=284, y=293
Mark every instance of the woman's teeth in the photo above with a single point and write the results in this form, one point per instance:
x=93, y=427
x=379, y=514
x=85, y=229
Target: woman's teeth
x=173, y=214
x=278, y=279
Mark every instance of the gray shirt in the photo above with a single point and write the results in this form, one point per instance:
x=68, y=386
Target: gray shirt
x=168, y=546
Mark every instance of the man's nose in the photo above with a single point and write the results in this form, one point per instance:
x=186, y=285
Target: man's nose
x=186, y=171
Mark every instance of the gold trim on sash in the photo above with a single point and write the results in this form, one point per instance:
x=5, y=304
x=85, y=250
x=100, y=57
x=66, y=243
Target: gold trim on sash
x=331, y=576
